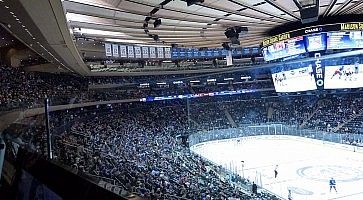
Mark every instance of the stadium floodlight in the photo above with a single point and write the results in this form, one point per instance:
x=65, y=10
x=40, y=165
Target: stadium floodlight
x=225, y=46
x=230, y=32
x=192, y=2
x=155, y=37
x=307, y=3
x=235, y=42
x=157, y=23
x=233, y=33
x=240, y=30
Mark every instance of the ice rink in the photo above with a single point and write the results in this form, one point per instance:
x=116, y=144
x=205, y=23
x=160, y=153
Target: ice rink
x=304, y=165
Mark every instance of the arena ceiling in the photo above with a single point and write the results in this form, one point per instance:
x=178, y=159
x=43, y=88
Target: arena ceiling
x=50, y=27
x=198, y=25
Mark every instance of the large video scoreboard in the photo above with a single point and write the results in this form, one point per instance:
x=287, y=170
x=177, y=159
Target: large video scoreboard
x=337, y=73
x=320, y=74
x=343, y=76
x=311, y=39
x=293, y=46
x=294, y=80
x=345, y=40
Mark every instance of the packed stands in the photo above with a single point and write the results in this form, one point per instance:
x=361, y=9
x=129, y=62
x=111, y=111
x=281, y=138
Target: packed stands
x=138, y=149
x=335, y=110
x=21, y=89
x=135, y=144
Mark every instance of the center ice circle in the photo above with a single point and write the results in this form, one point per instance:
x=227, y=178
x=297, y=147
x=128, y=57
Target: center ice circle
x=323, y=173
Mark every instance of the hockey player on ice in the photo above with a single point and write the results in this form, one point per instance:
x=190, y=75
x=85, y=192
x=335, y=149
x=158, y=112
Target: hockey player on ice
x=332, y=185
x=289, y=196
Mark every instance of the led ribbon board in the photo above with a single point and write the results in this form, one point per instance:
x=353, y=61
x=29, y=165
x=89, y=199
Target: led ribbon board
x=311, y=30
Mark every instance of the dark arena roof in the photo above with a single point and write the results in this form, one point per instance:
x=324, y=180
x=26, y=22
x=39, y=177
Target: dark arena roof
x=181, y=99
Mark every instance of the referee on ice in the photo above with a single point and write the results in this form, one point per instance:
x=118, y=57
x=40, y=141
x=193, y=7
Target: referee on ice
x=275, y=171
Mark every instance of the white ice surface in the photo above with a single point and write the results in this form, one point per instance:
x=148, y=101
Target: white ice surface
x=304, y=165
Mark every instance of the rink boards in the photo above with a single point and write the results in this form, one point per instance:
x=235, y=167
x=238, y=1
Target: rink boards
x=284, y=137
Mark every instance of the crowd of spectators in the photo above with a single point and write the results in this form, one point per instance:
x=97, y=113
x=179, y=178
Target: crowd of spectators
x=139, y=149
x=252, y=111
x=334, y=111
x=21, y=89
x=331, y=113
x=136, y=144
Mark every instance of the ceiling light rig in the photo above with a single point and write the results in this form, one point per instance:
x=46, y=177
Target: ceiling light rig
x=233, y=34
x=157, y=23
x=226, y=46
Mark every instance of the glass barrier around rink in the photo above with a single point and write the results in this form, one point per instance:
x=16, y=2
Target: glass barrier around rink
x=274, y=129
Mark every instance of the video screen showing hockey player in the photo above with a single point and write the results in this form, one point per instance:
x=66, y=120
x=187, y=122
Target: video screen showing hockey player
x=344, y=76
x=290, y=80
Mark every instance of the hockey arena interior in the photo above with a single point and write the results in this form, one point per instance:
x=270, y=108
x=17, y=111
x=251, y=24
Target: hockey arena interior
x=181, y=99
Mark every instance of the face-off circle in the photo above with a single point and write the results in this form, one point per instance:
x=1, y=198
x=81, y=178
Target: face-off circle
x=324, y=173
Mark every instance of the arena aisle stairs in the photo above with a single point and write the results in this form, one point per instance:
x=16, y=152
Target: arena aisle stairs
x=230, y=119
x=302, y=125
x=351, y=119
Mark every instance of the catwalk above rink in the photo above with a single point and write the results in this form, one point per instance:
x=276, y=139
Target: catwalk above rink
x=304, y=165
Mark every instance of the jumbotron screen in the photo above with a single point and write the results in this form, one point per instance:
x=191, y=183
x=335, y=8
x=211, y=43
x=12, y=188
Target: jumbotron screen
x=345, y=40
x=313, y=39
x=315, y=42
x=291, y=47
x=295, y=80
x=343, y=76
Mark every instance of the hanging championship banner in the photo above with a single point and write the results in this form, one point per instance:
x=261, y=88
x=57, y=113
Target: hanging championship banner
x=195, y=53
x=175, y=53
x=152, y=52
x=160, y=52
x=123, y=51
x=182, y=53
x=115, y=50
x=108, y=49
x=167, y=52
x=137, y=52
x=189, y=53
x=145, y=52
x=202, y=54
x=130, y=51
